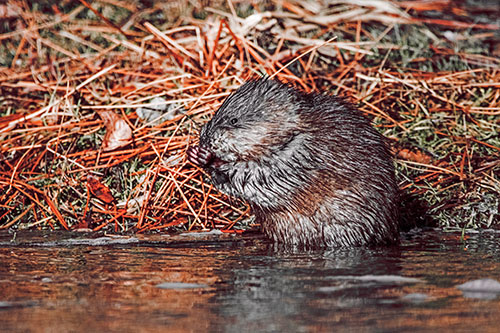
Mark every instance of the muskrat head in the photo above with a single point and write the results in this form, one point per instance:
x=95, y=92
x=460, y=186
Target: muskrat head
x=252, y=123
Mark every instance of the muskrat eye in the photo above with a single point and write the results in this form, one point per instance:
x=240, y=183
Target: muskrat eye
x=233, y=121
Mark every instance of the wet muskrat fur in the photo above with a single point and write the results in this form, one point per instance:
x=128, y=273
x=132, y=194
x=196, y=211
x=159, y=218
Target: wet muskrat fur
x=312, y=168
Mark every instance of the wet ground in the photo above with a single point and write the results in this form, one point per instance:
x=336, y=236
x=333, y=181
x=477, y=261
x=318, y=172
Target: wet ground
x=72, y=282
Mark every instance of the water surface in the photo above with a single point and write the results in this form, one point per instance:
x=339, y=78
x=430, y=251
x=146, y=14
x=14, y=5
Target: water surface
x=73, y=282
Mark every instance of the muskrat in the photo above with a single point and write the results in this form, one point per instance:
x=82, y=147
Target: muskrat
x=313, y=170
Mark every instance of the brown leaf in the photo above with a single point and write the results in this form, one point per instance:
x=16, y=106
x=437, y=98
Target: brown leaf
x=99, y=190
x=417, y=156
x=118, y=132
x=10, y=10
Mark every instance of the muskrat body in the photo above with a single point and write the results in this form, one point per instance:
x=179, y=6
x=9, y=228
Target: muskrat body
x=312, y=168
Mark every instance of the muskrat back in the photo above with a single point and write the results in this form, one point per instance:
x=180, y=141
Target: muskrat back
x=312, y=168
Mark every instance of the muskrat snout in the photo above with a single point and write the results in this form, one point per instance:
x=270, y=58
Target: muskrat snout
x=200, y=155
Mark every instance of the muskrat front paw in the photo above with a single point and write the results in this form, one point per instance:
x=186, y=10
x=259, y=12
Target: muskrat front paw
x=199, y=155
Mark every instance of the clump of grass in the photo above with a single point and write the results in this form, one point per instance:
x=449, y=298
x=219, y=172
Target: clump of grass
x=431, y=86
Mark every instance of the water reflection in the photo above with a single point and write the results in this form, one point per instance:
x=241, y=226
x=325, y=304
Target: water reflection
x=243, y=284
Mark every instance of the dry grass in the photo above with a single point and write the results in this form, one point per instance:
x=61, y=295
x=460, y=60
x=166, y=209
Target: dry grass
x=101, y=99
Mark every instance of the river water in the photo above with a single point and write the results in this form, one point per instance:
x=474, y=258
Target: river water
x=73, y=282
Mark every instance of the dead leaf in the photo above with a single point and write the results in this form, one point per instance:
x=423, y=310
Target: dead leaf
x=158, y=111
x=10, y=10
x=118, y=132
x=417, y=156
x=99, y=190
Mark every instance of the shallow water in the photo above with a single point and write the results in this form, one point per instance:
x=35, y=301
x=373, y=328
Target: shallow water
x=69, y=283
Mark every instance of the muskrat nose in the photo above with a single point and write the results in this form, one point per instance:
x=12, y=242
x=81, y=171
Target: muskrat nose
x=204, y=137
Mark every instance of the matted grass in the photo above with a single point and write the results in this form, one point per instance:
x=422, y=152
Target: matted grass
x=101, y=99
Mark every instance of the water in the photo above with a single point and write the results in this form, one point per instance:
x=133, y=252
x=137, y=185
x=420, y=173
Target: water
x=71, y=283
